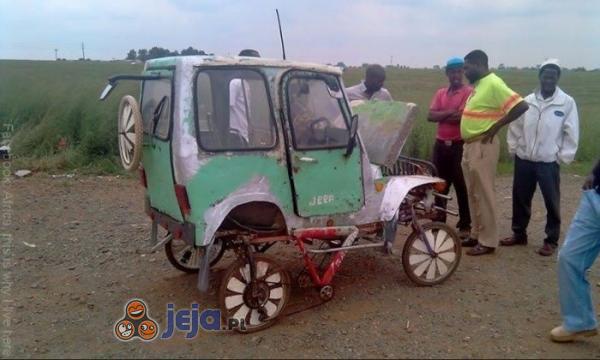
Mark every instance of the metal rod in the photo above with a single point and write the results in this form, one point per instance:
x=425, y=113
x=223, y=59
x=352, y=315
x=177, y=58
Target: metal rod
x=447, y=197
x=280, y=33
x=161, y=243
x=344, y=248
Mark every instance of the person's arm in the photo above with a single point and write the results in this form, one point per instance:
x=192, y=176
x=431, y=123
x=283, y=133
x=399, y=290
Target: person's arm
x=514, y=134
x=435, y=113
x=512, y=115
x=442, y=116
x=570, y=132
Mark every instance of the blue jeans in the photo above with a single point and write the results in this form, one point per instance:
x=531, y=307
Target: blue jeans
x=578, y=253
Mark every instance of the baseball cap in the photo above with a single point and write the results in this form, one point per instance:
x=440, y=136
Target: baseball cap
x=550, y=63
x=454, y=62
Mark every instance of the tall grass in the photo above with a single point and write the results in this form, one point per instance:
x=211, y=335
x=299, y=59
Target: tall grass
x=48, y=100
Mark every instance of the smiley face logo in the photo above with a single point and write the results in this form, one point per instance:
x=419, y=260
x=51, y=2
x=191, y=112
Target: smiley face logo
x=124, y=330
x=136, y=322
x=136, y=309
x=147, y=330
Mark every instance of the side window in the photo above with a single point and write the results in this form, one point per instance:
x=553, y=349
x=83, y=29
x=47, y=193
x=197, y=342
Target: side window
x=315, y=111
x=233, y=111
x=156, y=107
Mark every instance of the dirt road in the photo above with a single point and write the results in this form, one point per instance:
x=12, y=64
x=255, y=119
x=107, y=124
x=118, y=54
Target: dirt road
x=91, y=256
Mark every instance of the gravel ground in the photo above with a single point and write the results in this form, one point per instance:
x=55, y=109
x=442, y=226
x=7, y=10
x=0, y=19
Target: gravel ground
x=91, y=256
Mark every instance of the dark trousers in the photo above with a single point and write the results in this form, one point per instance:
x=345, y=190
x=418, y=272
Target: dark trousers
x=447, y=159
x=527, y=175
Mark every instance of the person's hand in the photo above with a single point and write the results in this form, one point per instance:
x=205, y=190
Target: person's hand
x=588, y=183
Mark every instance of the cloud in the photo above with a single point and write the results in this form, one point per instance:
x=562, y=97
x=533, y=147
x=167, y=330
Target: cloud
x=415, y=33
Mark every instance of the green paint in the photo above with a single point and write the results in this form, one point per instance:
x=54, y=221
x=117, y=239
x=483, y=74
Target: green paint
x=332, y=184
x=156, y=160
x=162, y=62
x=224, y=174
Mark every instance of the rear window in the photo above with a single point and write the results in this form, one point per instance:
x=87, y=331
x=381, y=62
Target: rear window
x=156, y=107
x=233, y=110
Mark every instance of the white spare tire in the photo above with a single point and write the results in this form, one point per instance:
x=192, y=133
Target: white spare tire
x=130, y=133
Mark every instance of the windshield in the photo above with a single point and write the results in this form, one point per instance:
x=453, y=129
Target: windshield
x=233, y=110
x=316, y=112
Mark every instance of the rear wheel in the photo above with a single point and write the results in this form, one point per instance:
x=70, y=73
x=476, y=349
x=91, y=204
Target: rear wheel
x=257, y=305
x=424, y=268
x=187, y=258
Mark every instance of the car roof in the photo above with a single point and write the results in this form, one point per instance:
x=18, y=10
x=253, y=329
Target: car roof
x=212, y=60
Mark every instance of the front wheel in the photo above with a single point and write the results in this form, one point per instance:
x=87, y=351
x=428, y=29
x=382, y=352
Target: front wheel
x=428, y=269
x=255, y=305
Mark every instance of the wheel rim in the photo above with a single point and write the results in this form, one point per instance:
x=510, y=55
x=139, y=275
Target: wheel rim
x=127, y=134
x=190, y=256
x=433, y=268
x=261, y=304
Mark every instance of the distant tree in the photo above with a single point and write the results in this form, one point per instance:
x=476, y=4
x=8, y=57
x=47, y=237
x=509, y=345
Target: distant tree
x=436, y=67
x=501, y=67
x=142, y=54
x=581, y=68
x=191, y=51
x=131, y=55
x=341, y=64
x=157, y=52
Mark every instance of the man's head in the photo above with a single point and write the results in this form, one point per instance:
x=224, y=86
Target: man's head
x=374, y=78
x=249, y=53
x=455, y=71
x=549, y=75
x=476, y=65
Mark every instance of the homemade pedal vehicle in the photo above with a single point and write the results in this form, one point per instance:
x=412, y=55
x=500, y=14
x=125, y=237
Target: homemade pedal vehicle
x=243, y=153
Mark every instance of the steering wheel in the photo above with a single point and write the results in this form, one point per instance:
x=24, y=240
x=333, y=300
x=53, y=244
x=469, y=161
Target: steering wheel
x=320, y=137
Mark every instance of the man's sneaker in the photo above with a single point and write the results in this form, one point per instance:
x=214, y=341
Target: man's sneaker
x=560, y=334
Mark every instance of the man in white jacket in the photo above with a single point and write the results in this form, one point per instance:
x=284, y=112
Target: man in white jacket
x=545, y=135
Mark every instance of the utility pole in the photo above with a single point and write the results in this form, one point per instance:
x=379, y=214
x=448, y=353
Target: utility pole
x=55, y=54
x=392, y=60
x=82, y=50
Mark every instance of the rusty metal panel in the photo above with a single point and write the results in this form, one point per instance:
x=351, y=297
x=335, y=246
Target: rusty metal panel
x=384, y=127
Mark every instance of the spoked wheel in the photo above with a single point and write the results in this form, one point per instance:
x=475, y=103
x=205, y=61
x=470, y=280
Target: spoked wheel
x=187, y=258
x=424, y=268
x=130, y=133
x=258, y=306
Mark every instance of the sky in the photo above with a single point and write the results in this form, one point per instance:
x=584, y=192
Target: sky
x=416, y=33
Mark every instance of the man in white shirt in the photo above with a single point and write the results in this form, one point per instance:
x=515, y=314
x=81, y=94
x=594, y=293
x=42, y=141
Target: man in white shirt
x=548, y=133
x=371, y=88
x=239, y=102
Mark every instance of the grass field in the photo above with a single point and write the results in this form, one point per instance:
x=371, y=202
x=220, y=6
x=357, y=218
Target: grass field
x=47, y=100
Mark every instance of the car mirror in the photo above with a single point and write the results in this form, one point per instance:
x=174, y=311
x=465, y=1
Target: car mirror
x=353, y=132
x=107, y=90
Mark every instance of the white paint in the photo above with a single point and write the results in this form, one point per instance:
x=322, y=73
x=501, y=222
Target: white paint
x=321, y=200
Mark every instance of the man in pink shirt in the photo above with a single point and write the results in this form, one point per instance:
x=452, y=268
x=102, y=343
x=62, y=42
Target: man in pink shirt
x=446, y=110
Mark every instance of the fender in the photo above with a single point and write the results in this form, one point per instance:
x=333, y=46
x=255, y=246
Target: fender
x=396, y=189
x=255, y=190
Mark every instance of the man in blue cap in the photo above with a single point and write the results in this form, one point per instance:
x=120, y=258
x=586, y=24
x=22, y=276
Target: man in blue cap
x=446, y=110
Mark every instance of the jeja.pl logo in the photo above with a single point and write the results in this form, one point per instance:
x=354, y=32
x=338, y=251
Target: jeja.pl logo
x=136, y=323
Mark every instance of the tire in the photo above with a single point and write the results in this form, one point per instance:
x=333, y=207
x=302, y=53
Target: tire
x=274, y=289
x=131, y=133
x=187, y=258
x=424, y=269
